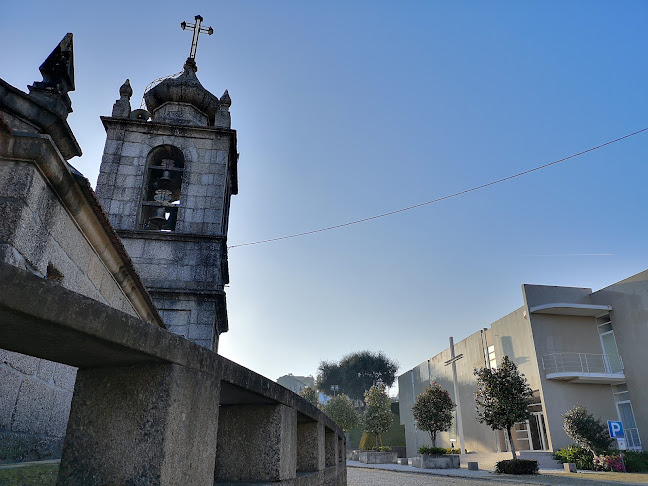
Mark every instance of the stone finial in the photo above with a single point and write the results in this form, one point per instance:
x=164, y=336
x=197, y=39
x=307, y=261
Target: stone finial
x=58, y=78
x=190, y=67
x=125, y=89
x=226, y=100
x=223, y=117
x=122, y=107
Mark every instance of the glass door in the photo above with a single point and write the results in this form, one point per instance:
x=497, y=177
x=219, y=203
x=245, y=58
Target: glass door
x=538, y=432
x=633, y=442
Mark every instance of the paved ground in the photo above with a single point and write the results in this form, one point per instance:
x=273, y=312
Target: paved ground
x=361, y=476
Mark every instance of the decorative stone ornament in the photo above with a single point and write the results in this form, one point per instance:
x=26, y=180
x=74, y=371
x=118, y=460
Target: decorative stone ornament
x=122, y=107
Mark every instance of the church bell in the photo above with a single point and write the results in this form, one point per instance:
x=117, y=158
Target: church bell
x=159, y=218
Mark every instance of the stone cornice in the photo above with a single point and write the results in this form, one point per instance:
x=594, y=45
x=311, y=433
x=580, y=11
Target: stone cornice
x=168, y=236
x=79, y=200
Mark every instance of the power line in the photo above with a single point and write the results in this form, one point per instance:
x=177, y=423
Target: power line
x=443, y=198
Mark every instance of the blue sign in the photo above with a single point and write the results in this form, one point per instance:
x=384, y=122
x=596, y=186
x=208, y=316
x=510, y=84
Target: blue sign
x=615, y=428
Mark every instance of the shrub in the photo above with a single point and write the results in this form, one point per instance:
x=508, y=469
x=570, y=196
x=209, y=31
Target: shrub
x=636, y=461
x=311, y=395
x=367, y=442
x=577, y=455
x=517, y=466
x=432, y=411
x=385, y=449
x=341, y=410
x=432, y=450
x=585, y=430
x=611, y=462
x=378, y=416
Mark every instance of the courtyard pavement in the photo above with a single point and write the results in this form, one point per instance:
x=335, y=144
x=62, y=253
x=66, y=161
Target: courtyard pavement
x=374, y=476
x=551, y=472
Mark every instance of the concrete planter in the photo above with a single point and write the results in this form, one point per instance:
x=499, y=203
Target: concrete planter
x=373, y=457
x=352, y=456
x=436, y=461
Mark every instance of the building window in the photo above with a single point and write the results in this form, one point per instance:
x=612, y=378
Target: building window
x=492, y=362
x=164, y=169
x=611, y=359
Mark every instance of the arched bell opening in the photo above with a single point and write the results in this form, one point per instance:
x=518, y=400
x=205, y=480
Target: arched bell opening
x=164, y=166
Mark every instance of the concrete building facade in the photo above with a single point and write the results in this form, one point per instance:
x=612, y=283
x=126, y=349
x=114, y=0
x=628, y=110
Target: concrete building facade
x=296, y=383
x=573, y=345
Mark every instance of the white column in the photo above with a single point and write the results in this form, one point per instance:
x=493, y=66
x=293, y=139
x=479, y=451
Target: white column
x=457, y=399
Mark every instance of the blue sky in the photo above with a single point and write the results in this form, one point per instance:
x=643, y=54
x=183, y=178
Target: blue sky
x=349, y=109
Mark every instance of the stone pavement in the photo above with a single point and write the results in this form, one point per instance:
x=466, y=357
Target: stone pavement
x=400, y=475
x=375, y=476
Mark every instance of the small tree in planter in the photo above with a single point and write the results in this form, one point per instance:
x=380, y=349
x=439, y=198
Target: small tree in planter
x=377, y=415
x=585, y=430
x=433, y=411
x=502, y=397
x=342, y=411
x=310, y=394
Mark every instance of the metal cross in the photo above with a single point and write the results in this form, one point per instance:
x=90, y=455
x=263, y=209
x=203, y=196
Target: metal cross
x=197, y=30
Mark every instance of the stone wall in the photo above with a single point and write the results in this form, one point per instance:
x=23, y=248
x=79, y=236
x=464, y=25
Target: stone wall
x=38, y=234
x=46, y=229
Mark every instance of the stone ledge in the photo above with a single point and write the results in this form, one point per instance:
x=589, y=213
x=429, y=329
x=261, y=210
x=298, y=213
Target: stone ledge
x=40, y=318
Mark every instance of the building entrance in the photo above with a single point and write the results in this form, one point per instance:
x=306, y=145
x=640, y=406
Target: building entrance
x=531, y=435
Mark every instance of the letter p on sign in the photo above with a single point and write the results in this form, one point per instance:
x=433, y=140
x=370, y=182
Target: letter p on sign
x=615, y=428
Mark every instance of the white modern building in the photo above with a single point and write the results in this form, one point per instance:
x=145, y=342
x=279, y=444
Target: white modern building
x=573, y=345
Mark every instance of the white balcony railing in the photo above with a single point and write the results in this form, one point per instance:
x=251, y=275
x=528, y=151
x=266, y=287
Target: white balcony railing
x=586, y=363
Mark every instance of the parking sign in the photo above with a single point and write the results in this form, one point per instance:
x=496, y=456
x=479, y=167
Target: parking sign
x=615, y=427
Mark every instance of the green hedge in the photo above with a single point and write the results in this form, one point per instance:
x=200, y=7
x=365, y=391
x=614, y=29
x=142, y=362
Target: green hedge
x=517, y=466
x=583, y=458
x=636, y=461
x=432, y=450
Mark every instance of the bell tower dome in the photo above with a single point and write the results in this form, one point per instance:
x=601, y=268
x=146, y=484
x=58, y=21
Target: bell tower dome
x=166, y=179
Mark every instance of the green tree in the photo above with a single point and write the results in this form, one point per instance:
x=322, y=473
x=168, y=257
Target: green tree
x=433, y=411
x=377, y=415
x=342, y=411
x=356, y=373
x=310, y=394
x=585, y=430
x=502, y=397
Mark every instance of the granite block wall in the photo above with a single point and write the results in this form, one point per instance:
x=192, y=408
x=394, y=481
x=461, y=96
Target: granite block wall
x=39, y=235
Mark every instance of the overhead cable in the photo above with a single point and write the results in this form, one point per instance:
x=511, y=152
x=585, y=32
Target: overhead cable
x=443, y=198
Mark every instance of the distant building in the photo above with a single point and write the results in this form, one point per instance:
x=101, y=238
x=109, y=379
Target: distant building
x=296, y=383
x=573, y=345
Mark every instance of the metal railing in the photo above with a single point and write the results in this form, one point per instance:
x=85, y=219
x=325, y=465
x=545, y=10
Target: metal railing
x=633, y=442
x=582, y=363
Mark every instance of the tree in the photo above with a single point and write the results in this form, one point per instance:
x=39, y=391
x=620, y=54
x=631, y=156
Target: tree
x=502, y=397
x=342, y=411
x=585, y=430
x=356, y=373
x=310, y=394
x=433, y=411
x=377, y=415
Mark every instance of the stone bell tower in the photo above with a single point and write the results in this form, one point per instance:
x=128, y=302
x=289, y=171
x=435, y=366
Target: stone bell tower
x=167, y=176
